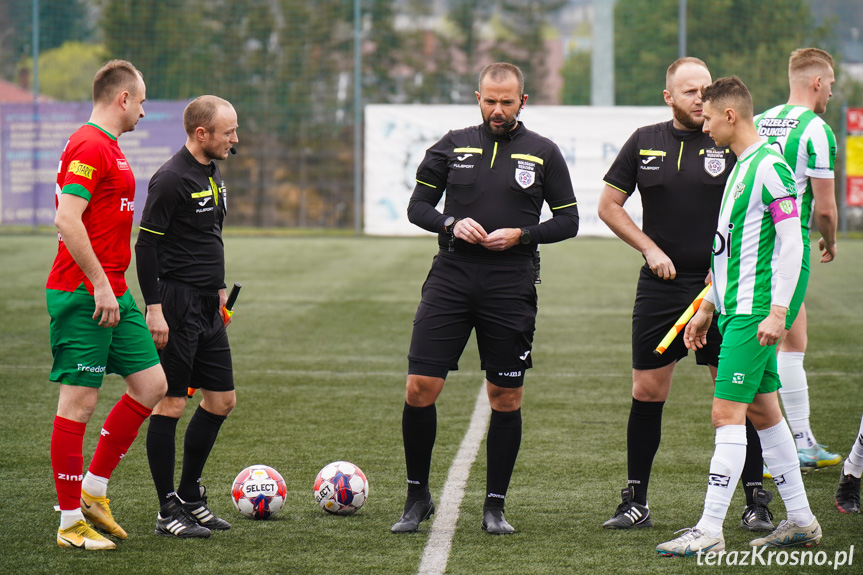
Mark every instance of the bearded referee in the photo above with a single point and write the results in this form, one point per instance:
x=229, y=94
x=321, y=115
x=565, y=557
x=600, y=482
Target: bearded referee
x=496, y=176
x=680, y=174
x=181, y=271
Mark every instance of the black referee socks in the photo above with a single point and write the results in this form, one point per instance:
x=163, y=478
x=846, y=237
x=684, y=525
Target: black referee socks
x=419, y=430
x=502, y=445
x=642, y=442
x=200, y=437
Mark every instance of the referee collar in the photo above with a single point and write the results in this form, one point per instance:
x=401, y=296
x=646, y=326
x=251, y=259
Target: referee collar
x=683, y=134
x=208, y=169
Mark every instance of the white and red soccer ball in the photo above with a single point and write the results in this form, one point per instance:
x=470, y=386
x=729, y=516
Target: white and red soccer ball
x=259, y=492
x=341, y=488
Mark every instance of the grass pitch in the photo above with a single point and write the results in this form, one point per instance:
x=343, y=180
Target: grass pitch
x=319, y=342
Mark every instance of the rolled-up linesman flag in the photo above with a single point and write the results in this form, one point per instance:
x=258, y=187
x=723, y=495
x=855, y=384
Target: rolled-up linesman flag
x=227, y=312
x=681, y=322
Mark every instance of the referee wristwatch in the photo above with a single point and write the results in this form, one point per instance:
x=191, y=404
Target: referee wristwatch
x=449, y=224
x=525, y=236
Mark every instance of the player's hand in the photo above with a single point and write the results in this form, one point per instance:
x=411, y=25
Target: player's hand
x=469, y=230
x=772, y=328
x=828, y=252
x=660, y=264
x=157, y=325
x=695, y=334
x=501, y=239
x=107, y=307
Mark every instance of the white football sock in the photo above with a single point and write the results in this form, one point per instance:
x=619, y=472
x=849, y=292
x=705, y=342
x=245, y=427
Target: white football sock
x=795, y=397
x=780, y=455
x=95, y=485
x=726, y=466
x=68, y=518
x=854, y=461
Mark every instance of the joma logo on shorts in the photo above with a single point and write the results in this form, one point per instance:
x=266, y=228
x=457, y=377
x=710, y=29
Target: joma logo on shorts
x=509, y=373
x=738, y=378
x=91, y=369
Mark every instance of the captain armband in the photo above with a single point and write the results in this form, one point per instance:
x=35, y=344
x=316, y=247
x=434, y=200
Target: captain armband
x=782, y=209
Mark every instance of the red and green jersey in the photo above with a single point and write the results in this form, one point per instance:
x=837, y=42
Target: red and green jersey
x=93, y=167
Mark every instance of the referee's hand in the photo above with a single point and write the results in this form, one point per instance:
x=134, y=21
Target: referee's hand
x=470, y=231
x=157, y=325
x=660, y=264
x=501, y=239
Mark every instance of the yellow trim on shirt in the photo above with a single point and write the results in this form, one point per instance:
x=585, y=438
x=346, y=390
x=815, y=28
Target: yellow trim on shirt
x=527, y=157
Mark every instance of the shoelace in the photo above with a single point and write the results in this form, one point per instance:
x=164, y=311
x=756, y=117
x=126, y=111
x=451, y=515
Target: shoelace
x=691, y=534
x=81, y=528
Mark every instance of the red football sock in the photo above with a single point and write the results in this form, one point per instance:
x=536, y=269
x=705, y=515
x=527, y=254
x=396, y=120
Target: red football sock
x=67, y=461
x=118, y=433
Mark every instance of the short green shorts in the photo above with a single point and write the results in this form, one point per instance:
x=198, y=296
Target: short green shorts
x=84, y=352
x=800, y=290
x=745, y=366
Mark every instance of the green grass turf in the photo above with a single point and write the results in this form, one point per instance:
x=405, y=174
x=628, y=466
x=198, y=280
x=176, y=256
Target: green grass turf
x=319, y=342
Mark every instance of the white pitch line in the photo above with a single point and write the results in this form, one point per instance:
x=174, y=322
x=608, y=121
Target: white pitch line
x=436, y=553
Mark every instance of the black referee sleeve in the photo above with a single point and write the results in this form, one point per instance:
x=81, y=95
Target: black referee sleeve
x=147, y=264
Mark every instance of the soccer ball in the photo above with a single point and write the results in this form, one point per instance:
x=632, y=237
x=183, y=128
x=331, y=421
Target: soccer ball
x=341, y=488
x=259, y=492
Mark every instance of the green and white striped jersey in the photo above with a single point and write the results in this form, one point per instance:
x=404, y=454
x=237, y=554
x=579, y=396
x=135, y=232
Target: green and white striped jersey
x=808, y=145
x=745, y=248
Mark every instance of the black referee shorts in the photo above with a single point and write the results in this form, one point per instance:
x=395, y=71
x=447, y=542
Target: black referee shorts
x=658, y=304
x=197, y=353
x=498, y=300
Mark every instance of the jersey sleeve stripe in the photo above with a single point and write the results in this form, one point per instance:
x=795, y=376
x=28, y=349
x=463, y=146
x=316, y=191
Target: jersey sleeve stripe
x=566, y=206
x=77, y=190
x=142, y=228
x=527, y=157
x=426, y=184
x=615, y=187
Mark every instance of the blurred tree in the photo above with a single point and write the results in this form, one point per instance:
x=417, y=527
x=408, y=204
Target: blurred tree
x=576, y=79
x=750, y=39
x=59, y=22
x=525, y=28
x=66, y=73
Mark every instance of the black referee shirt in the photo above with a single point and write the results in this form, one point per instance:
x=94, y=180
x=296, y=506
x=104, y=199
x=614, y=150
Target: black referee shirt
x=183, y=215
x=499, y=181
x=681, y=176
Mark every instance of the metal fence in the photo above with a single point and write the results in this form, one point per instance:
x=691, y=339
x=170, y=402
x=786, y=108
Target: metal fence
x=299, y=73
